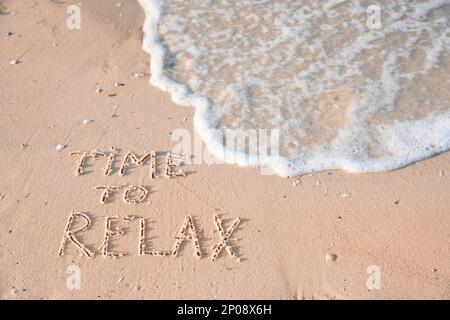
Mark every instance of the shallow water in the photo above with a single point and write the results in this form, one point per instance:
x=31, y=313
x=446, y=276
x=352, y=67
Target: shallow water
x=344, y=94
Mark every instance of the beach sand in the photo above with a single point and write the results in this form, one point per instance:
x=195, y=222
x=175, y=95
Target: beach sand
x=315, y=240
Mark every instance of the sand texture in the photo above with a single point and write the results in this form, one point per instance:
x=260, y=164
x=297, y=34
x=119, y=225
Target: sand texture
x=312, y=238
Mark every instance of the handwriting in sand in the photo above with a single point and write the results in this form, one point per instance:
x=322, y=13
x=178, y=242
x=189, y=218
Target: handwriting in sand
x=80, y=222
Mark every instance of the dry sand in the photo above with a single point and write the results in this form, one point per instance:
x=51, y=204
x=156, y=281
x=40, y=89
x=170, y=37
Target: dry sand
x=312, y=241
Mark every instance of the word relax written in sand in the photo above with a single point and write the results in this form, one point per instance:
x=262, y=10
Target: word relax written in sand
x=132, y=194
x=187, y=232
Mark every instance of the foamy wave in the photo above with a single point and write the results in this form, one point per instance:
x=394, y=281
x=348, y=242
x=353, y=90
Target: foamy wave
x=342, y=95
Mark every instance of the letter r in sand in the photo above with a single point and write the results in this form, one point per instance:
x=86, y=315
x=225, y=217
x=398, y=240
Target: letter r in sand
x=70, y=234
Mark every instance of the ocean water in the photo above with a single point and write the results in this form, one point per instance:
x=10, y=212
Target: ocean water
x=343, y=93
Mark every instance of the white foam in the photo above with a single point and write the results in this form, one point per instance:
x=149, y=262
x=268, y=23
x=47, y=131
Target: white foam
x=317, y=65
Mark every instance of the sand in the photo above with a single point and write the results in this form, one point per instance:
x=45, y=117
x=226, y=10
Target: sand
x=316, y=239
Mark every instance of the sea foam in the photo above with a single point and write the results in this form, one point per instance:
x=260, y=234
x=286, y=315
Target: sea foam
x=341, y=94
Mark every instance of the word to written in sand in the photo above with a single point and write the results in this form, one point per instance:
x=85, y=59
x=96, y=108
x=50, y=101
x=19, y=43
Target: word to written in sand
x=79, y=222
